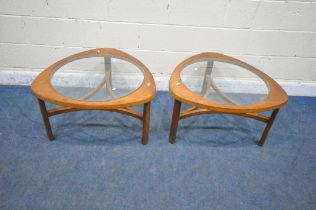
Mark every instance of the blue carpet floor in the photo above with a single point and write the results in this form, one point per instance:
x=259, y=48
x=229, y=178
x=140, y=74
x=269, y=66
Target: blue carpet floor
x=97, y=161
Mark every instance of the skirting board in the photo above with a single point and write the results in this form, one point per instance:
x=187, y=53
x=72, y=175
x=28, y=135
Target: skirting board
x=295, y=88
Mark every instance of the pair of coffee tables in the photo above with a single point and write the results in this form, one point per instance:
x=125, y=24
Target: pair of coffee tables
x=108, y=79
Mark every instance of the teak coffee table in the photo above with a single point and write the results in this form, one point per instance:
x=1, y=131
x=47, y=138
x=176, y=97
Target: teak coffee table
x=214, y=83
x=98, y=79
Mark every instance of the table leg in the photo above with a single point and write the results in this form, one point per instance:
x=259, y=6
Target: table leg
x=175, y=120
x=146, y=123
x=268, y=127
x=46, y=119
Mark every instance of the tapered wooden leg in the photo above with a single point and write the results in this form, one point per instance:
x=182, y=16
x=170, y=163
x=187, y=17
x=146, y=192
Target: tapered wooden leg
x=268, y=127
x=46, y=119
x=174, y=122
x=146, y=123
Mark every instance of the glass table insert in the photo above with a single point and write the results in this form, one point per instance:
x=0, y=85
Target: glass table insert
x=97, y=78
x=222, y=82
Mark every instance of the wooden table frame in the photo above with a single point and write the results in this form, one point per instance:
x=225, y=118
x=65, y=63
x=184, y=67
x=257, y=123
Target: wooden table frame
x=275, y=99
x=43, y=91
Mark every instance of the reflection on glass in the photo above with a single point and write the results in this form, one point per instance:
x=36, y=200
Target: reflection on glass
x=97, y=78
x=224, y=83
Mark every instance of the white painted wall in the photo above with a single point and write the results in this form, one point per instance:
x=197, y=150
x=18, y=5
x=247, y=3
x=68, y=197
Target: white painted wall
x=277, y=36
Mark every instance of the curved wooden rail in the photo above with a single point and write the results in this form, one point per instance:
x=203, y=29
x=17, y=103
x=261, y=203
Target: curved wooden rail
x=128, y=111
x=209, y=82
x=93, y=91
x=192, y=112
x=222, y=94
x=107, y=80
